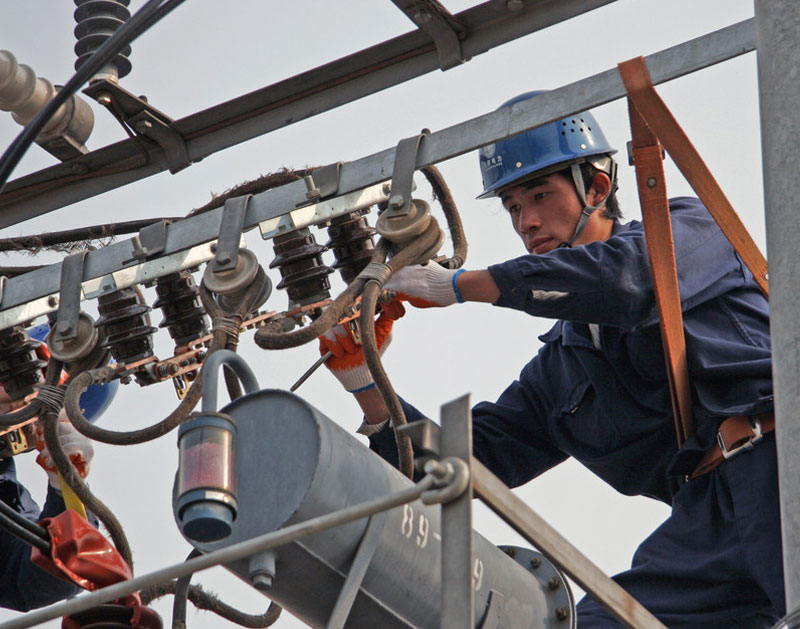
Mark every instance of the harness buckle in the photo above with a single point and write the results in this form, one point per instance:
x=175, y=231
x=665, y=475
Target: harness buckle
x=744, y=445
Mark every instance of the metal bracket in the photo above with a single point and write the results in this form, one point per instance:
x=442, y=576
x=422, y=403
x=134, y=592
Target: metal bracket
x=405, y=163
x=230, y=234
x=440, y=25
x=632, y=159
x=322, y=183
x=145, y=119
x=150, y=241
x=424, y=434
x=366, y=549
x=173, y=144
x=70, y=297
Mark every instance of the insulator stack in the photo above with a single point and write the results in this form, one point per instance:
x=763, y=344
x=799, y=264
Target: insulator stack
x=179, y=301
x=351, y=239
x=125, y=321
x=304, y=275
x=97, y=21
x=20, y=366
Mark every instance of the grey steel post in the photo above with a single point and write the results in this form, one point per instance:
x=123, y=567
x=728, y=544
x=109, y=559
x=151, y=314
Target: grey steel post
x=778, y=43
x=458, y=603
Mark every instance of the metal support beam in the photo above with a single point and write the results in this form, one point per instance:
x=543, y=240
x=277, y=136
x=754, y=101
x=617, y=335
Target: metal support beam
x=557, y=549
x=428, y=437
x=302, y=96
x=270, y=209
x=778, y=30
x=458, y=602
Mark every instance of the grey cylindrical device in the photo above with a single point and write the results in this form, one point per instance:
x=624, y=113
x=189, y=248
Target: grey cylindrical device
x=293, y=463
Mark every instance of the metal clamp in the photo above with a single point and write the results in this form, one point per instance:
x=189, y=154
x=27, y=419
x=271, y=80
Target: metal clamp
x=145, y=119
x=230, y=234
x=746, y=445
x=70, y=297
x=322, y=183
x=150, y=241
x=441, y=26
x=452, y=479
x=405, y=163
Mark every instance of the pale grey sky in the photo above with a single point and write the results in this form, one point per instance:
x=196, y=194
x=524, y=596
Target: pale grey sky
x=207, y=52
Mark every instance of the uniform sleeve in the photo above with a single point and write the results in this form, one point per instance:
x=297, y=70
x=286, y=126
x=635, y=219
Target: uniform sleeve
x=23, y=585
x=609, y=282
x=508, y=436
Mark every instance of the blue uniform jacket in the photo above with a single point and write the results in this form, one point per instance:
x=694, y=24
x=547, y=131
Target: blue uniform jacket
x=609, y=407
x=23, y=585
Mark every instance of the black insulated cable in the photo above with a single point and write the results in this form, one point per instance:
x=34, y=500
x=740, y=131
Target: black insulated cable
x=141, y=21
x=20, y=526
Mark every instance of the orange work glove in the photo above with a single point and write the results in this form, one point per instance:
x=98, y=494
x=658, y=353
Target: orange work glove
x=347, y=362
x=77, y=447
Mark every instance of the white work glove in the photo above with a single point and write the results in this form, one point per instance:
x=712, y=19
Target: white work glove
x=347, y=362
x=77, y=447
x=426, y=286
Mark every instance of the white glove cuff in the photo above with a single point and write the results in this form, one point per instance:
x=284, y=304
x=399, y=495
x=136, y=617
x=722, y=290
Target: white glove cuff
x=356, y=379
x=371, y=429
x=441, y=283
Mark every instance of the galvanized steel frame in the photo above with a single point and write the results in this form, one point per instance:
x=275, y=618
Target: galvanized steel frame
x=277, y=204
x=778, y=31
x=331, y=85
x=776, y=27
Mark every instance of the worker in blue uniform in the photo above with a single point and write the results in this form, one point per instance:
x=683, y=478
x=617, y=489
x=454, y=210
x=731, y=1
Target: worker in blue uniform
x=597, y=390
x=23, y=585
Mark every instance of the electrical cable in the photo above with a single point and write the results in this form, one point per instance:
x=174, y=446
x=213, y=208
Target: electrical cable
x=31, y=526
x=266, y=339
x=441, y=192
x=222, y=331
x=207, y=601
x=22, y=415
x=141, y=21
x=424, y=246
x=181, y=595
x=20, y=526
x=36, y=242
x=49, y=420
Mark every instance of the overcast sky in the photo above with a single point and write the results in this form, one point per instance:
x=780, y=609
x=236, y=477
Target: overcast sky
x=203, y=54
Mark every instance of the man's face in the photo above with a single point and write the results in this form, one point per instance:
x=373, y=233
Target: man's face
x=544, y=212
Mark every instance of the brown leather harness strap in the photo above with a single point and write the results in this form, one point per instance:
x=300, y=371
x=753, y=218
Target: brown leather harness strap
x=651, y=120
x=659, y=118
x=661, y=253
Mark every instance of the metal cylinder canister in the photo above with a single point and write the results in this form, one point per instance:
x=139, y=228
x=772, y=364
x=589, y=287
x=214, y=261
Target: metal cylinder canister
x=206, y=482
x=293, y=463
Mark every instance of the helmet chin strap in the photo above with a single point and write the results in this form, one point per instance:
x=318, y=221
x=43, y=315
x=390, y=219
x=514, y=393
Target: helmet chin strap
x=586, y=213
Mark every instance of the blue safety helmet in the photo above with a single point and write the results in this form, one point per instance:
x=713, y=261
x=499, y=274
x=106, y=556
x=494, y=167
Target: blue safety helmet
x=551, y=147
x=97, y=397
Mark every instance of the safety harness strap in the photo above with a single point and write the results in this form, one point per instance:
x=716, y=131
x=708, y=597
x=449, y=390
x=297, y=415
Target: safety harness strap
x=661, y=254
x=659, y=118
